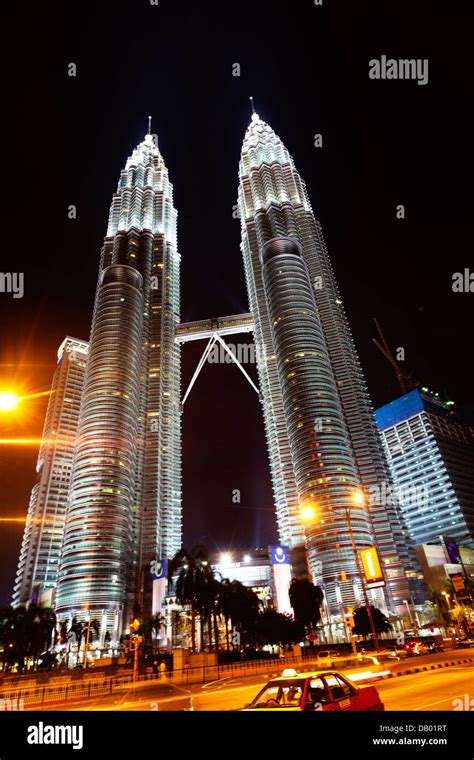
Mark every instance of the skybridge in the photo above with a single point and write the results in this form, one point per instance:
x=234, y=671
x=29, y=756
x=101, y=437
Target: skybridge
x=205, y=328
x=214, y=330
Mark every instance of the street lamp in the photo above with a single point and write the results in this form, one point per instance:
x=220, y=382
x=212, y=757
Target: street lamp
x=136, y=640
x=446, y=595
x=86, y=648
x=308, y=515
x=358, y=498
x=8, y=401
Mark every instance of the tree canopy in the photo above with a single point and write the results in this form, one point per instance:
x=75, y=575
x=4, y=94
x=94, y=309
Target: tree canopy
x=362, y=623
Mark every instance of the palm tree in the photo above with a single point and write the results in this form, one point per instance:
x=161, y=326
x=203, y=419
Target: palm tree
x=239, y=604
x=25, y=632
x=151, y=625
x=212, y=610
x=216, y=609
x=306, y=600
x=41, y=624
x=192, y=585
x=225, y=606
x=11, y=634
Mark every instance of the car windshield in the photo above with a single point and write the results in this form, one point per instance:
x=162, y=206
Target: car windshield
x=279, y=694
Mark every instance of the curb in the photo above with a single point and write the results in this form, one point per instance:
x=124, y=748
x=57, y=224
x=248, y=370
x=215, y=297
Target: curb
x=427, y=668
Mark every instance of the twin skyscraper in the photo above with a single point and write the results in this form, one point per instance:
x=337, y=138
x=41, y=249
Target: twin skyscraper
x=121, y=471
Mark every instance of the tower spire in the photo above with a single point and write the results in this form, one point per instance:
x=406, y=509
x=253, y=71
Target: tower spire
x=255, y=116
x=149, y=125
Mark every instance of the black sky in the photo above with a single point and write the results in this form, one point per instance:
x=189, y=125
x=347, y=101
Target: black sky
x=384, y=143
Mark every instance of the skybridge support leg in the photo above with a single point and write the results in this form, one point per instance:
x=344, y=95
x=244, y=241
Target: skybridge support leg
x=212, y=340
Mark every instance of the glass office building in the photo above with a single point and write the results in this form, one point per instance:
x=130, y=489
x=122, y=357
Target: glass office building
x=38, y=564
x=431, y=457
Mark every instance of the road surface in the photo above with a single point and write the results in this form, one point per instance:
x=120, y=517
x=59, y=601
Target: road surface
x=430, y=690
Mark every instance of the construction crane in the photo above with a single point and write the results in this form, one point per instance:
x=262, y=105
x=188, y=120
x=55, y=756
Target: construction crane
x=405, y=379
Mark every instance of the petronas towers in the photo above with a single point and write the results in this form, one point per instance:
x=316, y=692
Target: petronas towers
x=321, y=435
x=123, y=505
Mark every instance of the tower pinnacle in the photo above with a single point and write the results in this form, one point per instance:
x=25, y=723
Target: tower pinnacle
x=255, y=116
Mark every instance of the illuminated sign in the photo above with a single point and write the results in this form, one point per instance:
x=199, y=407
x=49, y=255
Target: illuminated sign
x=372, y=567
x=279, y=555
x=70, y=346
x=458, y=582
x=158, y=569
x=459, y=586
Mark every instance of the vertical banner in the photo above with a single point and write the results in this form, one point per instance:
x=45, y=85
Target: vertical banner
x=281, y=572
x=158, y=569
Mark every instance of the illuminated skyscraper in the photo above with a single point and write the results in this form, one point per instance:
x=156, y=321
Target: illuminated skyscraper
x=431, y=456
x=124, y=507
x=322, y=439
x=38, y=564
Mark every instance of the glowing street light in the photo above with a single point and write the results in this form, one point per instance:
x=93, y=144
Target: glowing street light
x=226, y=558
x=8, y=401
x=358, y=497
x=446, y=595
x=308, y=513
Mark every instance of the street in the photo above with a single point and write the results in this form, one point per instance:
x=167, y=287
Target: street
x=427, y=690
x=433, y=690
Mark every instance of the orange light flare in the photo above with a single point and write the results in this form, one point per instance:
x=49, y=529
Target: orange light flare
x=358, y=497
x=21, y=414
x=35, y=441
x=10, y=400
x=24, y=519
x=308, y=512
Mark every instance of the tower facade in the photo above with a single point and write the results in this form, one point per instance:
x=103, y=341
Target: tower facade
x=431, y=457
x=124, y=507
x=38, y=565
x=300, y=374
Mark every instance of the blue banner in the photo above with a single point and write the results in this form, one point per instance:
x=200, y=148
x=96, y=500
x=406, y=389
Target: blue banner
x=279, y=555
x=158, y=569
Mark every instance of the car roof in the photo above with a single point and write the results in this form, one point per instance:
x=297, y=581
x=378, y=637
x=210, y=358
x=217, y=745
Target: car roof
x=307, y=674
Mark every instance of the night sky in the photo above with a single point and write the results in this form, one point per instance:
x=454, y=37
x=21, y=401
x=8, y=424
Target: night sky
x=384, y=143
